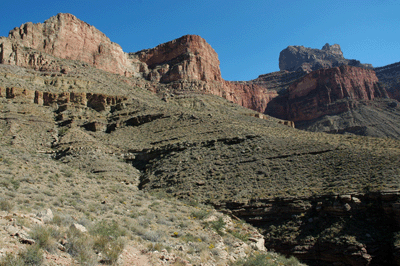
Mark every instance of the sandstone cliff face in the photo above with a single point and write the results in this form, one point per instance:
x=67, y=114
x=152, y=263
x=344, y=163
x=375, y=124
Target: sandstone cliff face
x=307, y=59
x=189, y=57
x=327, y=91
x=67, y=37
x=251, y=96
x=187, y=63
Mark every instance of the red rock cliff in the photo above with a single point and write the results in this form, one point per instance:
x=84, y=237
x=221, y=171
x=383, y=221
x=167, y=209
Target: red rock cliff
x=67, y=37
x=189, y=60
x=331, y=91
x=189, y=57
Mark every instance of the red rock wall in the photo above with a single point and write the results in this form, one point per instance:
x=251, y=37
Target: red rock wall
x=331, y=91
x=189, y=57
x=187, y=60
x=67, y=37
x=248, y=95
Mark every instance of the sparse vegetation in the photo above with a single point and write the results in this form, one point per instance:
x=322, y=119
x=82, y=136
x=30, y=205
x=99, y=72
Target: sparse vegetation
x=270, y=259
x=142, y=178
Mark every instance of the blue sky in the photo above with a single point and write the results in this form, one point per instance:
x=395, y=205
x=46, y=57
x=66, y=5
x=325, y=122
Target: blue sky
x=247, y=35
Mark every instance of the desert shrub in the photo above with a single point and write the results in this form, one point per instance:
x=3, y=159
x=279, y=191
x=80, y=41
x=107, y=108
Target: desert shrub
x=15, y=183
x=11, y=260
x=218, y=225
x=32, y=256
x=153, y=236
x=155, y=247
x=109, y=248
x=60, y=219
x=45, y=237
x=270, y=259
x=108, y=229
x=107, y=240
x=144, y=222
x=201, y=214
x=238, y=235
x=80, y=246
x=5, y=205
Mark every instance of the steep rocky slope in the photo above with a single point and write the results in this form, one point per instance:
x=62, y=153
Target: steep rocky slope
x=390, y=77
x=310, y=193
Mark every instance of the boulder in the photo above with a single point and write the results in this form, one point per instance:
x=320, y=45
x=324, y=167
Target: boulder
x=45, y=215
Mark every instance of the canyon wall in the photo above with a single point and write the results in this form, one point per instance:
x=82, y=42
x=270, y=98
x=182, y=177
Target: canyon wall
x=190, y=64
x=327, y=91
x=67, y=37
x=389, y=76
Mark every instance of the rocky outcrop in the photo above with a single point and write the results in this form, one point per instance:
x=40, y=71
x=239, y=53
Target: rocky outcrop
x=295, y=58
x=67, y=37
x=389, y=76
x=189, y=57
x=353, y=229
x=327, y=91
x=98, y=102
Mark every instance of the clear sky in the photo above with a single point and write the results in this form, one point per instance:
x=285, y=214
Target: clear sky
x=248, y=35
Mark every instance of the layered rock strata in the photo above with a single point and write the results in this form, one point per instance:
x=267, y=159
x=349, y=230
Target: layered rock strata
x=189, y=57
x=327, y=91
x=98, y=102
x=187, y=63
